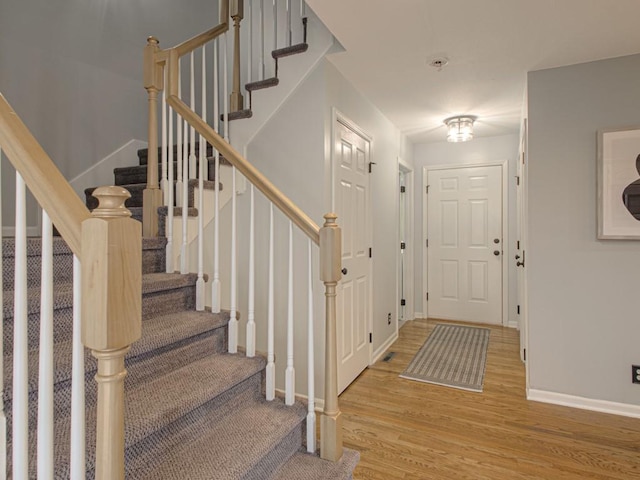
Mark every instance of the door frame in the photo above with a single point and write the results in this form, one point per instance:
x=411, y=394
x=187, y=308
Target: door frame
x=505, y=231
x=338, y=117
x=409, y=251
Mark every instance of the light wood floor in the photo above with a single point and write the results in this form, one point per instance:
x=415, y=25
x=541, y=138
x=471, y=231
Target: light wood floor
x=411, y=430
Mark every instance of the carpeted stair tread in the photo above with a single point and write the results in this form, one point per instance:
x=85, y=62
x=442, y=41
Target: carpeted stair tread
x=292, y=50
x=236, y=457
x=307, y=466
x=157, y=333
x=155, y=282
x=260, y=84
x=177, y=211
x=238, y=115
x=143, y=153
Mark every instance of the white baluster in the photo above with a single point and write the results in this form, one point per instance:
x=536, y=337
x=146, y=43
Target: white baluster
x=289, y=33
x=233, y=322
x=192, y=136
x=311, y=404
x=45, y=356
x=262, y=53
x=184, y=248
x=290, y=376
x=215, y=285
x=164, y=182
x=250, y=42
x=20, y=341
x=201, y=173
x=179, y=173
x=168, y=227
x=251, y=324
x=275, y=25
x=78, y=452
x=271, y=366
x=225, y=87
x=3, y=417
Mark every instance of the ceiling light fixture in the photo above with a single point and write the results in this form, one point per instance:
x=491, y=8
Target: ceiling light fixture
x=460, y=128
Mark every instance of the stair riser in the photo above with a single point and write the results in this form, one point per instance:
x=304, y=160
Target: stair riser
x=277, y=456
x=153, y=261
x=138, y=174
x=143, y=153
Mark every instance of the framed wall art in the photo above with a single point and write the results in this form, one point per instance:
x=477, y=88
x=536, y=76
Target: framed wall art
x=619, y=183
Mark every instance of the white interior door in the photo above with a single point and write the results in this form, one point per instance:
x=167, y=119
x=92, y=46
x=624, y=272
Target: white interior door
x=521, y=242
x=464, y=232
x=351, y=162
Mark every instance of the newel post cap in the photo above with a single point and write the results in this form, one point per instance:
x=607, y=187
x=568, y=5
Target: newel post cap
x=111, y=202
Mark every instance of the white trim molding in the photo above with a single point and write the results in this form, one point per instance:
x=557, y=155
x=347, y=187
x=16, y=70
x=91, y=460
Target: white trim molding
x=603, y=406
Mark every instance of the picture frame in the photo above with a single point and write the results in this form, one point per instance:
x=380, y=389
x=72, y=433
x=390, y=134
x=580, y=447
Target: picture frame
x=618, y=174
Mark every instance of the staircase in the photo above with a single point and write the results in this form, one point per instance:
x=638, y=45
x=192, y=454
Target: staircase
x=194, y=407
x=192, y=410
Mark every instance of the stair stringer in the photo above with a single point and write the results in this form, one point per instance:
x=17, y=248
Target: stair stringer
x=192, y=221
x=292, y=71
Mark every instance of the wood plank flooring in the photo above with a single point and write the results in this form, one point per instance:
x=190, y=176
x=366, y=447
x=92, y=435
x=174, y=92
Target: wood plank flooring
x=411, y=430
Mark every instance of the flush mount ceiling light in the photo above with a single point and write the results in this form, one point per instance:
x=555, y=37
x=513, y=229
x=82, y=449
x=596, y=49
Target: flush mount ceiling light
x=460, y=128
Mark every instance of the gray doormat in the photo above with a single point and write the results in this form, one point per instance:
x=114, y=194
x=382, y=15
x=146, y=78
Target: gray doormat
x=454, y=356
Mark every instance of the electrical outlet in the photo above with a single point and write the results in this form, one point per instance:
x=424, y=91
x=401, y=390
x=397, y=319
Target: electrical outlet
x=388, y=318
x=635, y=373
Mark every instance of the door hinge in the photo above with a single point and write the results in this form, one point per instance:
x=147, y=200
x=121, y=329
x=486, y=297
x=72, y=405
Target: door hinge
x=426, y=189
x=370, y=166
x=524, y=354
x=518, y=309
x=370, y=253
x=517, y=179
x=427, y=295
x=402, y=246
x=517, y=244
x=427, y=243
x=403, y=302
x=402, y=189
x=370, y=337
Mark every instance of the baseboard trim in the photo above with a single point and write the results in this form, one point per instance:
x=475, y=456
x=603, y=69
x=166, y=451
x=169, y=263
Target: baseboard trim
x=318, y=406
x=383, y=348
x=603, y=406
x=419, y=315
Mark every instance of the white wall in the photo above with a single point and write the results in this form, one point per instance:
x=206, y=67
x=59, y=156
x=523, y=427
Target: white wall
x=478, y=151
x=584, y=307
x=72, y=70
x=387, y=145
x=294, y=151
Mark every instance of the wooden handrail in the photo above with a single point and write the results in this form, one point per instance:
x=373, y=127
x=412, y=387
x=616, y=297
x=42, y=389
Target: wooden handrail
x=279, y=199
x=46, y=183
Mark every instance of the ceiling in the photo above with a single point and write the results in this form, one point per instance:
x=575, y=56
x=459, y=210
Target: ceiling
x=490, y=46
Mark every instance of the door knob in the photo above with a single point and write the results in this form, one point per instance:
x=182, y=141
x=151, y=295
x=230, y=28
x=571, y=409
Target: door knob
x=496, y=240
x=496, y=252
x=344, y=271
x=519, y=264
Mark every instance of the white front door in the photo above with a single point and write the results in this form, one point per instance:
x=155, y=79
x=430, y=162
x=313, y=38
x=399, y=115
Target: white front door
x=464, y=252
x=351, y=163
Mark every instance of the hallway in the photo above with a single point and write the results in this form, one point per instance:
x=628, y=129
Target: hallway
x=411, y=430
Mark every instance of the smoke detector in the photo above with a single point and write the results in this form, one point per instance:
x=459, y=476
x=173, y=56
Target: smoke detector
x=438, y=62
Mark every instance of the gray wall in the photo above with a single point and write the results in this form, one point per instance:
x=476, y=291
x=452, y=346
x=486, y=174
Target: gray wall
x=584, y=307
x=476, y=152
x=73, y=70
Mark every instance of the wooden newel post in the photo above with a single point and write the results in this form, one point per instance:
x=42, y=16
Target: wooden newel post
x=330, y=274
x=237, y=13
x=152, y=195
x=111, y=315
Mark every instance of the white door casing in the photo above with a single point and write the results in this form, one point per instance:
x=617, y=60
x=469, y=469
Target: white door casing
x=465, y=244
x=352, y=205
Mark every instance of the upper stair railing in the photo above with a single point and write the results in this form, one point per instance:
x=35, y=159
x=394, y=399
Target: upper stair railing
x=184, y=109
x=107, y=292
